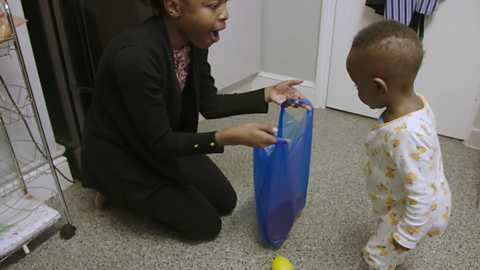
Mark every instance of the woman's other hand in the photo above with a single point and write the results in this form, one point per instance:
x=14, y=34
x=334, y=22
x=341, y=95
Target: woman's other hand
x=284, y=91
x=252, y=134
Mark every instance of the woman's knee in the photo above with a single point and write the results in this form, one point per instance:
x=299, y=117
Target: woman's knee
x=203, y=229
x=228, y=204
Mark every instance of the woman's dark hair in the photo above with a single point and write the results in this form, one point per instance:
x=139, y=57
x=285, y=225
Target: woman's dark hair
x=153, y=3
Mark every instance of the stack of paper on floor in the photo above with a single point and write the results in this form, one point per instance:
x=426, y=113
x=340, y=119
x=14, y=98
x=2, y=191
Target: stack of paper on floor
x=21, y=220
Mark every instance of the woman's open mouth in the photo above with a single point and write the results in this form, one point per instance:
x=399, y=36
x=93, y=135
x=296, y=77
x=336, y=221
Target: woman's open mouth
x=215, y=36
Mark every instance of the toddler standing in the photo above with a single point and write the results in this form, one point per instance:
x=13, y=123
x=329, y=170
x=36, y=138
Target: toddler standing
x=405, y=180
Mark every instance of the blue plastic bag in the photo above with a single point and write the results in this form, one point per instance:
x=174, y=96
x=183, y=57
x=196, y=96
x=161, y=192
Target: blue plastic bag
x=281, y=176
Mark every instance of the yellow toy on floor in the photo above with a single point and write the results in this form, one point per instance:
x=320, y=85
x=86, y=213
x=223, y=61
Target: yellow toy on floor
x=280, y=263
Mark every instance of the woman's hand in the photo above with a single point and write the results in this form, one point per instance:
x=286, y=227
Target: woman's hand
x=252, y=134
x=284, y=91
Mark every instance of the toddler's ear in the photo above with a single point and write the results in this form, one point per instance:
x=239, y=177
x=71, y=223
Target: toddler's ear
x=382, y=87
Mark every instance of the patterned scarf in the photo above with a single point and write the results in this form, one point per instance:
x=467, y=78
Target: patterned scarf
x=182, y=62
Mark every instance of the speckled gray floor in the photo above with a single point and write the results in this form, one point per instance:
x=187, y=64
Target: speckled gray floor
x=327, y=234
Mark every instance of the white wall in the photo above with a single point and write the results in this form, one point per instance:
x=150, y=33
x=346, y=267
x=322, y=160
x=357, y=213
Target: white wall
x=290, y=31
x=476, y=124
x=452, y=64
x=29, y=158
x=449, y=76
x=11, y=73
x=237, y=55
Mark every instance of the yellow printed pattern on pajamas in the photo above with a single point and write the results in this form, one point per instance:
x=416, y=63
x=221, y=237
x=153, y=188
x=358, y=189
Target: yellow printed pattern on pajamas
x=410, y=196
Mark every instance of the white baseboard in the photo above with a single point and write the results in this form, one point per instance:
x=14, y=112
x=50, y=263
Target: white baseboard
x=474, y=139
x=41, y=188
x=241, y=86
x=40, y=180
x=265, y=79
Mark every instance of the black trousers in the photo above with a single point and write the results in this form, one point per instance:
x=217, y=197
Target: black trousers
x=194, y=210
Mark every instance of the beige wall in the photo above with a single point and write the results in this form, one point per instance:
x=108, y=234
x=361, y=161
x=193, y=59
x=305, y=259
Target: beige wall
x=290, y=31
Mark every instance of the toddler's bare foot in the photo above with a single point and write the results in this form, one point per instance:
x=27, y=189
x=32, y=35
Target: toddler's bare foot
x=102, y=203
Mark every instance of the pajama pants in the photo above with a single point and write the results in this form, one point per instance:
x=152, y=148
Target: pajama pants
x=380, y=253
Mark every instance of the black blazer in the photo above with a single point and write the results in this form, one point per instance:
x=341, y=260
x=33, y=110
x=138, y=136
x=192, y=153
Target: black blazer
x=140, y=122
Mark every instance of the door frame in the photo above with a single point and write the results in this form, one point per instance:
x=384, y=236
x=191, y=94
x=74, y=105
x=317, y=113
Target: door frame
x=472, y=138
x=324, y=55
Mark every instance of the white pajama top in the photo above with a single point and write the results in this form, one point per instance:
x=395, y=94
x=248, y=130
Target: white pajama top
x=405, y=178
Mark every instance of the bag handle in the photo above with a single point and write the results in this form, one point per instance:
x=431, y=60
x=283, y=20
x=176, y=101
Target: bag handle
x=282, y=111
x=301, y=101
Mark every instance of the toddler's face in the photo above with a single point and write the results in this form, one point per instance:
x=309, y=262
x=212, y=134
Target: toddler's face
x=368, y=91
x=201, y=21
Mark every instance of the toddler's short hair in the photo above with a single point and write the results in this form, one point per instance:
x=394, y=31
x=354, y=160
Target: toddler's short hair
x=158, y=4
x=394, y=46
x=153, y=3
